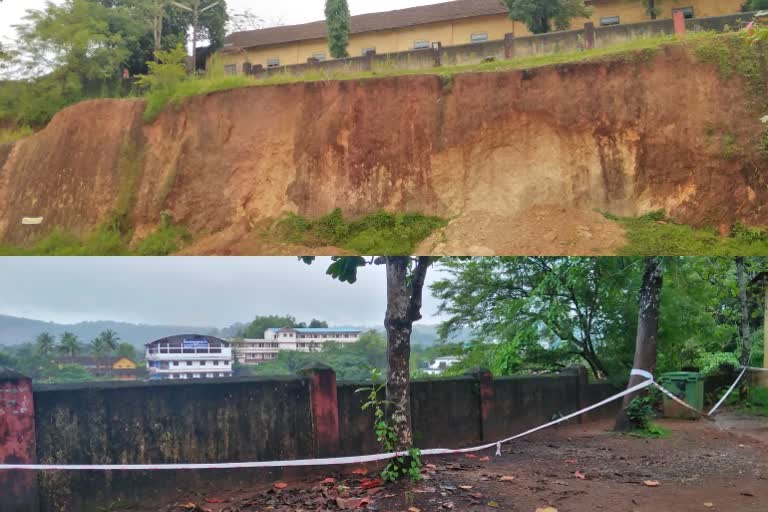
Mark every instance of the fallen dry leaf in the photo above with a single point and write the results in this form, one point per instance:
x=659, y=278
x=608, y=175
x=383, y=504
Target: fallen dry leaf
x=213, y=500
x=580, y=475
x=281, y=485
x=360, y=471
x=493, y=504
x=506, y=478
x=651, y=483
x=709, y=505
x=329, y=480
x=570, y=461
x=370, y=483
x=351, y=503
x=484, y=459
x=465, y=487
x=548, y=509
x=414, y=509
x=471, y=456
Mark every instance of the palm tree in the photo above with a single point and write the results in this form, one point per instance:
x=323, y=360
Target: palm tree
x=44, y=344
x=69, y=345
x=109, y=341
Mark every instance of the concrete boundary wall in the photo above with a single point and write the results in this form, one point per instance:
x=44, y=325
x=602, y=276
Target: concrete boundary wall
x=510, y=47
x=243, y=419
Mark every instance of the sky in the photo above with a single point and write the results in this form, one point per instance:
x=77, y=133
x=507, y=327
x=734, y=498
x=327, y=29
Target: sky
x=287, y=11
x=193, y=291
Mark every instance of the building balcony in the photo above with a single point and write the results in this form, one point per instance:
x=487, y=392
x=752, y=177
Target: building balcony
x=224, y=355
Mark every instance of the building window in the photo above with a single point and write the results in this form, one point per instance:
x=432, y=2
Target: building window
x=607, y=21
x=221, y=375
x=230, y=69
x=175, y=363
x=209, y=375
x=479, y=37
x=687, y=12
x=421, y=45
x=319, y=56
x=273, y=63
x=215, y=363
x=195, y=375
x=370, y=50
x=189, y=363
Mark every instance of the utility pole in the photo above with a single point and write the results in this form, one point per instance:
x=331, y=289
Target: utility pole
x=196, y=11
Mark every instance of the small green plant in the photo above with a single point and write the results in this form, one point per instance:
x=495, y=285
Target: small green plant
x=639, y=412
x=376, y=233
x=166, y=239
x=406, y=465
x=8, y=136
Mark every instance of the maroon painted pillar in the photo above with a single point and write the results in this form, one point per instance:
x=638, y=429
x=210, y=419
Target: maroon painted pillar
x=589, y=35
x=487, y=397
x=678, y=17
x=583, y=375
x=18, y=489
x=509, y=40
x=323, y=396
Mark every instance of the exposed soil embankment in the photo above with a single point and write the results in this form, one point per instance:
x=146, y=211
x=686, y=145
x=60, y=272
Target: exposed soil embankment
x=626, y=136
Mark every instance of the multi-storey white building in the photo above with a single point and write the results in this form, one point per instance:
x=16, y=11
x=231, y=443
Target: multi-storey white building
x=189, y=356
x=254, y=351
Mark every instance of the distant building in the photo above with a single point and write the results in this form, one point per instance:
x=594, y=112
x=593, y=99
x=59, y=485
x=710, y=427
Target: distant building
x=189, y=356
x=454, y=23
x=298, y=339
x=440, y=364
x=115, y=368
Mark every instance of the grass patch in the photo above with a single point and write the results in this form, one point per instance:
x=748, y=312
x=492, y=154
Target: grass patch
x=653, y=431
x=8, y=136
x=166, y=240
x=109, y=239
x=158, y=100
x=377, y=233
x=657, y=235
x=756, y=403
x=640, y=51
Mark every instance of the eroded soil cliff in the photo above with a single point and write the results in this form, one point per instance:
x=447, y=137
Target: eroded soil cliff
x=626, y=136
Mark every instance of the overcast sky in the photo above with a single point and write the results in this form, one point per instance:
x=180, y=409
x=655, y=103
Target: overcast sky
x=288, y=11
x=199, y=291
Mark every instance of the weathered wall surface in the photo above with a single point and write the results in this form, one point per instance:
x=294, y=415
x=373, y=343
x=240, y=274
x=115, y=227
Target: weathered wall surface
x=625, y=136
x=225, y=420
x=257, y=419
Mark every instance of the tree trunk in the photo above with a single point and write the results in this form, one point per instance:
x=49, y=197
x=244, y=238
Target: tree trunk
x=403, y=308
x=741, y=275
x=765, y=328
x=647, y=329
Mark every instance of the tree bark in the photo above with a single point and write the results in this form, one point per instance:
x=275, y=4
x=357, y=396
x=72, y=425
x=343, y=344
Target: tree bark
x=404, y=297
x=741, y=275
x=647, y=330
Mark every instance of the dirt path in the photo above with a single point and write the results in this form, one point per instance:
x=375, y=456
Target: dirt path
x=573, y=469
x=539, y=230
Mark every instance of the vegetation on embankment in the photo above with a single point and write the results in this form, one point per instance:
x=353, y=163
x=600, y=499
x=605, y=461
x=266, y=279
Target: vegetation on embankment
x=655, y=234
x=637, y=50
x=109, y=239
x=10, y=135
x=376, y=233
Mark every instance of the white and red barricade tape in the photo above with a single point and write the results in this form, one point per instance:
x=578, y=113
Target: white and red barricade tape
x=359, y=459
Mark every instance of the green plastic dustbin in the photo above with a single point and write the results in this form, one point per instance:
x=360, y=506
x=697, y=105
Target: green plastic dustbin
x=689, y=387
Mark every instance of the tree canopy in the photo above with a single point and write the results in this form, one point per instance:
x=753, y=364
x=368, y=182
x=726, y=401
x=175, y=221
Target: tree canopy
x=541, y=16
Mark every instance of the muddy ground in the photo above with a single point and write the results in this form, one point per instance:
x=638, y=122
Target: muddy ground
x=720, y=465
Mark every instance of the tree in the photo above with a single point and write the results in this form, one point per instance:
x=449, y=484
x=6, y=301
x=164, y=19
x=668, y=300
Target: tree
x=337, y=21
x=652, y=8
x=545, y=313
x=215, y=12
x=257, y=328
x=539, y=15
x=647, y=331
x=126, y=350
x=741, y=274
x=69, y=345
x=44, y=344
x=405, y=285
x=317, y=324
x=109, y=339
x=755, y=5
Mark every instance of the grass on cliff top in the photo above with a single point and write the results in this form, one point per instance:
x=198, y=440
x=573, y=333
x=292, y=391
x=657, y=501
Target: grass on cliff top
x=633, y=50
x=7, y=136
x=377, y=233
x=654, y=234
x=106, y=240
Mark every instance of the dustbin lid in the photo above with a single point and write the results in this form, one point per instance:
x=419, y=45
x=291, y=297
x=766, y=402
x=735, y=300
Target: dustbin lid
x=680, y=377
